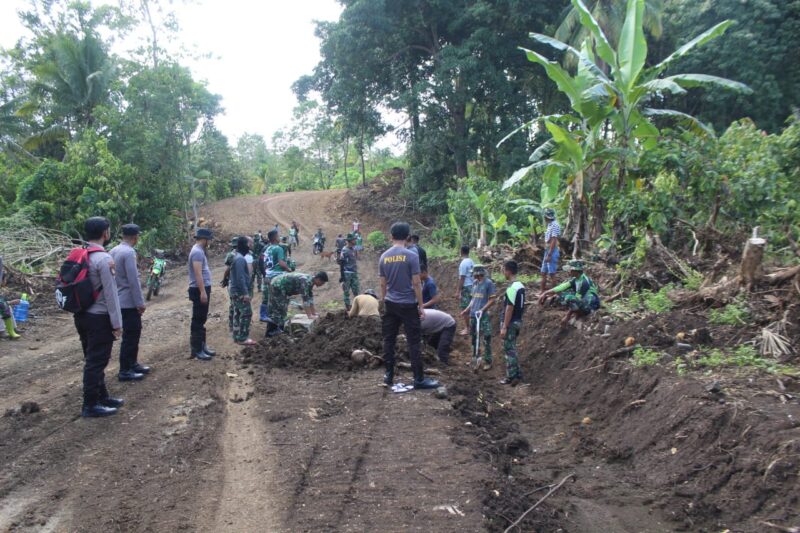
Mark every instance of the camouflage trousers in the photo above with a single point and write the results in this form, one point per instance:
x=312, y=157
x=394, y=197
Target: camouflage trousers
x=350, y=284
x=466, y=297
x=240, y=316
x=5, y=309
x=278, y=305
x=510, y=348
x=486, y=335
x=583, y=305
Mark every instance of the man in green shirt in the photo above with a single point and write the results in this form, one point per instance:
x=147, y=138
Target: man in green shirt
x=282, y=288
x=511, y=322
x=579, y=294
x=275, y=264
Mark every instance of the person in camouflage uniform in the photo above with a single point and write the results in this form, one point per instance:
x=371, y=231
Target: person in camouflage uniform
x=226, y=279
x=240, y=295
x=348, y=267
x=483, y=298
x=511, y=322
x=258, y=268
x=578, y=294
x=282, y=288
x=275, y=264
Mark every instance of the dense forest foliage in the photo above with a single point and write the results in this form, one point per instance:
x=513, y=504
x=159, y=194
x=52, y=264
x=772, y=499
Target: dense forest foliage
x=85, y=131
x=617, y=140
x=706, y=142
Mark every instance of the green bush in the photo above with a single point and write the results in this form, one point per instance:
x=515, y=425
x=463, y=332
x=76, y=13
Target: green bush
x=645, y=357
x=734, y=314
x=377, y=240
x=658, y=302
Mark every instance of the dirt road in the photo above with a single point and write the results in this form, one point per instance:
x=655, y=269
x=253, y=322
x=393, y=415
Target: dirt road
x=198, y=447
x=232, y=445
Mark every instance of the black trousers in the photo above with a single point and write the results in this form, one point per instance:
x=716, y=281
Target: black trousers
x=131, y=333
x=197, y=336
x=97, y=341
x=406, y=315
x=443, y=342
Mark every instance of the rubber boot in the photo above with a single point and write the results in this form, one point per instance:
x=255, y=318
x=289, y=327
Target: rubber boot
x=262, y=313
x=197, y=349
x=206, y=348
x=12, y=333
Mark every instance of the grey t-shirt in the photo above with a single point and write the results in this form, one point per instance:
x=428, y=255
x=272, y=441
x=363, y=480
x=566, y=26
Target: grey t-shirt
x=199, y=255
x=127, y=276
x=481, y=292
x=399, y=266
x=101, y=273
x=435, y=321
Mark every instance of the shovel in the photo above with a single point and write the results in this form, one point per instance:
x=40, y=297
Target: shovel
x=477, y=358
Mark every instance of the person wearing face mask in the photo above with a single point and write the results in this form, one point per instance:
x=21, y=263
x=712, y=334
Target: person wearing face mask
x=101, y=324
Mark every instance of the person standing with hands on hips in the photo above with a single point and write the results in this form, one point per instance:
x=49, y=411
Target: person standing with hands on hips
x=551, y=250
x=200, y=294
x=101, y=324
x=131, y=301
x=401, y=291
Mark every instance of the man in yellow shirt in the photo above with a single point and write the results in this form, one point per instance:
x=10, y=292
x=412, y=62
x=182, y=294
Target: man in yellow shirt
x=365, y=305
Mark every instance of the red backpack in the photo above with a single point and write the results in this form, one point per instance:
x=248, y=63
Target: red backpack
x=74, y=290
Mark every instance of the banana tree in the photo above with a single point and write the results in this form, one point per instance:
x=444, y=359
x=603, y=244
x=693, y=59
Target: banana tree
x=618, y=99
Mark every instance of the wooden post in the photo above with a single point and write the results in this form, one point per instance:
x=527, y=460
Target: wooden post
x=750, y=271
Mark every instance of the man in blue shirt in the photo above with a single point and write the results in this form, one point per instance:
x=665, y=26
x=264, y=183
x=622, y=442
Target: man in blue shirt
x=430, y=292
x=401, y=292
x=465, y=283
x=551, y=251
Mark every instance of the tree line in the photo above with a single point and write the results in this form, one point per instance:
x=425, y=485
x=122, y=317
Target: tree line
x=606, y=146
x=85, y=131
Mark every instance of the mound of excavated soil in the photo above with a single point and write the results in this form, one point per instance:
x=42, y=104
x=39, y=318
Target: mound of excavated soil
x=329, y=346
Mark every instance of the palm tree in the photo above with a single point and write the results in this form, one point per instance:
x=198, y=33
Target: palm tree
x=74, y=74
x=610, y=15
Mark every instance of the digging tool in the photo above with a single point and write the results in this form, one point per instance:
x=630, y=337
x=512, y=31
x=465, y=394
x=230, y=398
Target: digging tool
x=476, y=361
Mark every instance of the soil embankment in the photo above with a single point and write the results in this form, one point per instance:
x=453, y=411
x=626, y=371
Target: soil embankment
x=294, y=436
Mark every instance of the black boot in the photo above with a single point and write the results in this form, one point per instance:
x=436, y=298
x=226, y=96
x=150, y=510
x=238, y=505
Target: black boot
x=197, y=349
x=206, y=349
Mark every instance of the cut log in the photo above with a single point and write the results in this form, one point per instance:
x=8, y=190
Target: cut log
x=750, y=271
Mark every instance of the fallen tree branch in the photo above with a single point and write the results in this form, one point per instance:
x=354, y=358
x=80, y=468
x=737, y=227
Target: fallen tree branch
x=537, y=504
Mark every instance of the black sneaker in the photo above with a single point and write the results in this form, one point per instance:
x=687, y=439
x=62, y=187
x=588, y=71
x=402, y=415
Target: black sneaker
x=141, y=369
x=130, y=375
x=112, y=402
x=388, y=379
x=510, y=381
x=202, y=356
x=96, y=411
x=426, y=383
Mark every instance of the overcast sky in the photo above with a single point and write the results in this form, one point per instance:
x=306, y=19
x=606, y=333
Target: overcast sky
x=259, y=48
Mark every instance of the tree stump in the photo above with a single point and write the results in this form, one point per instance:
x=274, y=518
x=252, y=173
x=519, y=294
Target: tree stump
x=750, y=271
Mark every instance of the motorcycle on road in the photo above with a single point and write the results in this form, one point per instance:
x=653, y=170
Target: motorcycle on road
x=154, y=278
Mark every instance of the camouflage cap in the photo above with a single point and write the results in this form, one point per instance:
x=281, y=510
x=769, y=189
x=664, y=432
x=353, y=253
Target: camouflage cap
x=576, y=266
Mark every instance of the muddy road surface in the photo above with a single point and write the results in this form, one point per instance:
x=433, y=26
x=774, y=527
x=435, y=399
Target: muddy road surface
x=215, y=446
x=255, y=441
